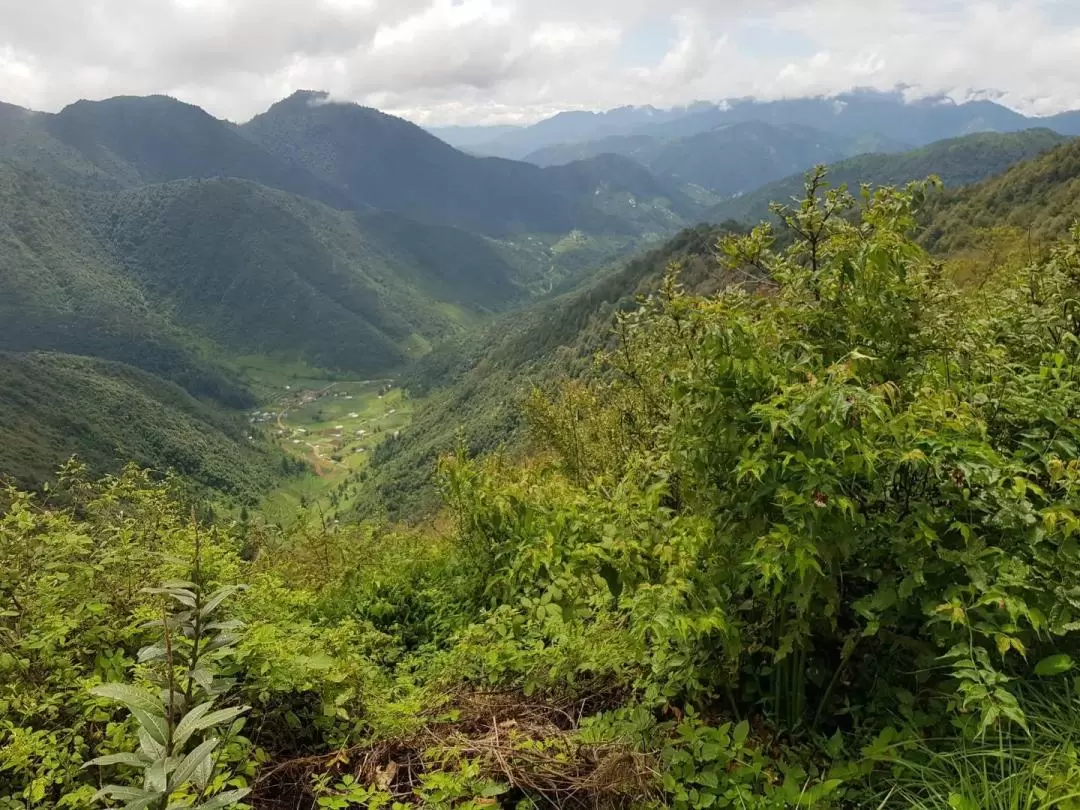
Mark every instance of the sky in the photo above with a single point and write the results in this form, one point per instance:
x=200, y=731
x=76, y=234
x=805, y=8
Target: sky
x=442, y=62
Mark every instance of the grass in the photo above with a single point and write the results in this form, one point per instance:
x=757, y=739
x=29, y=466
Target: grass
x=1006, y=770
x=333, y=426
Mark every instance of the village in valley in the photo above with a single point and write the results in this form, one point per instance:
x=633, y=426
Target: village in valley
x=332, y=426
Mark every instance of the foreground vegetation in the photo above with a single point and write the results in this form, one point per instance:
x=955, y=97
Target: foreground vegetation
x=809, y=541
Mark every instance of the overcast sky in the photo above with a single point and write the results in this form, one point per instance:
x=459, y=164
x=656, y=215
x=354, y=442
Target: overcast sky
x=509, y=61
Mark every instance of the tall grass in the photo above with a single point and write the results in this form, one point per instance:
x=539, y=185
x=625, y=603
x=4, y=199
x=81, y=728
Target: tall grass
x=1012, y=770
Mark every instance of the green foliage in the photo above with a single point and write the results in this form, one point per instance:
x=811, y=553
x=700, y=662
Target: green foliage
x=179, y=730
x=803, y=535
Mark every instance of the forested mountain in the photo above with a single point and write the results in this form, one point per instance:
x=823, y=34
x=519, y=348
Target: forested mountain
x=145, y=231
x=957, y=161
x=1038, y=199
x=387, y=163
x=731, y=159
x=54, y=406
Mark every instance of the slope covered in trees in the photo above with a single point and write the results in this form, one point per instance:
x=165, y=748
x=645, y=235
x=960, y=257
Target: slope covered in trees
x=1040, y=198
x=958, y=162
x=55, y=406
x=805, y=541
x=390, y=164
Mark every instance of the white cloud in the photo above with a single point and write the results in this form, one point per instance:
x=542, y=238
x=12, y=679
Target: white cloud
x=467, y=61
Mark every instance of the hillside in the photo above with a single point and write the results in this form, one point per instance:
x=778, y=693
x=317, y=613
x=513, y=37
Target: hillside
x=474, y=386
x=389, y=164
x=1039, y=197
x=53, y=406
x=729, y=160
x=957, y=161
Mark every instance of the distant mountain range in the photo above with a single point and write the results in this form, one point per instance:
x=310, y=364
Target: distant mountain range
x=852, y=115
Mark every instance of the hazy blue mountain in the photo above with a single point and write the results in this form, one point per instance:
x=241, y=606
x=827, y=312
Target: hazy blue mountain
x=574, y=126
x=856, y=114
x=467, y=137
x=728, y=160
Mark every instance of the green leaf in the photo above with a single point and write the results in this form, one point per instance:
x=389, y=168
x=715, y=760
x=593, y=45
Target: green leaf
x=1054, y=665
x=225, y=799
x=151, y=748
x=155, y=652
x=131, y=696
x=190, y=764
x=157, y=776
x=122, y=792
x=740, y=732
x=118, y=759
x=154, y=724
x=215, y=600
x=960, y=802
x=188, y=724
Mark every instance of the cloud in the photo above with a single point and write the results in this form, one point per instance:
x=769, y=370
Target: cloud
x=470, y=61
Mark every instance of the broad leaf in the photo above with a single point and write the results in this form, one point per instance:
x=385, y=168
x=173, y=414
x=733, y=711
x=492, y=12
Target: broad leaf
x=191, y=763
x=154, y=724
x=118, y=759
x=225, y=799
x=188, y=725
x=131, y=696
x=1054, y=665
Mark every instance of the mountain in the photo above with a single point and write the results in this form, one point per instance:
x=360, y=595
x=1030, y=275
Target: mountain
x=858, y=114
x=957, y=161
x=728, y=160
x=53, y=406
x=389, y=164
x=130, y=141
x=1038, y=198
x=467, y=137
x=574, y=126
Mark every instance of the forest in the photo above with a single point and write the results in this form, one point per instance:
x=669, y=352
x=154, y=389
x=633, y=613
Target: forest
x=802, y=533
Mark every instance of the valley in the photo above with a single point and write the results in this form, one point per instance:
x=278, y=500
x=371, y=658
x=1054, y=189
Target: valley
x=724, y=455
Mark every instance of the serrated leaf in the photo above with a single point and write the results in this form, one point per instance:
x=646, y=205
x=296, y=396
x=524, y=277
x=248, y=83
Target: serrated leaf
x=122, y=792
x=118, y=759
x=179, y=583
x=189, y=764
x=225, y=799
x=157, y=776
x=203, y=677
x=231, y=624
x=1054, y=665
x=203, y=773
x=131, y=696
x=182, y=595
x=220, y=716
